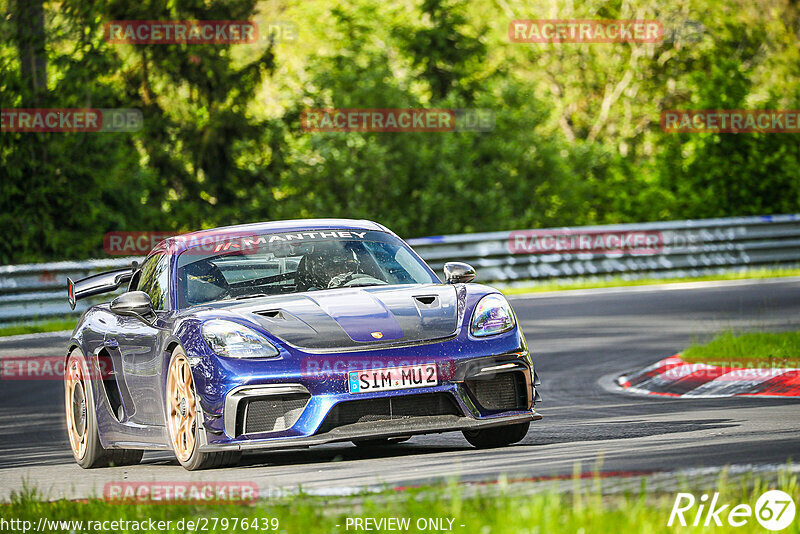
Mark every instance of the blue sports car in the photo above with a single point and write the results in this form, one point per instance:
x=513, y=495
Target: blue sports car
x=290, y=334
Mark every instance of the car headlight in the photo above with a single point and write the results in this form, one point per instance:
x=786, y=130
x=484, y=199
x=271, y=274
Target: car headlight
x=233, y=340
x=492, y=315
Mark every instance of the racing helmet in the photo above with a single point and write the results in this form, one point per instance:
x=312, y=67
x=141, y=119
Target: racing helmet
x=331, y=267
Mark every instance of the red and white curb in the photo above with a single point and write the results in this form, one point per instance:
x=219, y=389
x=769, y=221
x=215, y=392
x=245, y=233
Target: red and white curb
x=673, y=377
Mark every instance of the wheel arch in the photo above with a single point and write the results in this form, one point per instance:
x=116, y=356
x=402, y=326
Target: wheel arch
x=172, y=344
x=71, y=346
x=169, y=348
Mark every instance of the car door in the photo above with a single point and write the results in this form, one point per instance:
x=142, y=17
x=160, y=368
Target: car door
x=138, y=343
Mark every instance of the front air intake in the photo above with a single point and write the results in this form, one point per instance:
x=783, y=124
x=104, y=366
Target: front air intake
x=499, y=392
x=270, y=414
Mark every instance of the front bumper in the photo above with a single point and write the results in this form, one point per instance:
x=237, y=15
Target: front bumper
x=312, y=410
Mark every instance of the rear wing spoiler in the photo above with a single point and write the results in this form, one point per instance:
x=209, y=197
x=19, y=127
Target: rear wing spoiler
x=97, y=284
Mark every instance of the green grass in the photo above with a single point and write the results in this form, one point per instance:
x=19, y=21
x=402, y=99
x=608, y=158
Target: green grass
x=512, y=509
x=757, y=349
x=561, y=285
x=52, y=325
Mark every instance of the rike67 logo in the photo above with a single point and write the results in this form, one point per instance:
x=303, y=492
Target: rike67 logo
x=774, y=510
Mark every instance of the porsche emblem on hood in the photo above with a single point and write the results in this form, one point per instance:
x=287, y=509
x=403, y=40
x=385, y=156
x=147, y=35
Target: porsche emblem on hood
x=377, y=335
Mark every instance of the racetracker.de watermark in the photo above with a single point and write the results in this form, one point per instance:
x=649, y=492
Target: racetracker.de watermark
x=181, y=492
x=208, y=242
x=50, y=368
x=730, y=121
x=567, y=241
x=324, y=367
x=397, y=120
x=180, y=32
x=71, y=120
x=585, y=31
x=733, y=371
x=202, y=243
x=197, y=31
x=133, y=243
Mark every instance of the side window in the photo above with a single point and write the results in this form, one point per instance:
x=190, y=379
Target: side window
x=154, y=280
x=133, y=285
x=136, y=283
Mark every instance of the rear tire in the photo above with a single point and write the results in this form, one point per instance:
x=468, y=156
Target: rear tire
x=183, y=414
x=490, y=438
x=81, y=418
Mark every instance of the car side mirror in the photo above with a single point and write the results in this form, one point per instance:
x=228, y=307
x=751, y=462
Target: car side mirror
x=136, y=303
x=456, y=272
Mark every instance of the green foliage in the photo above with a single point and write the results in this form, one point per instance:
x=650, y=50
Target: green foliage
x=442, y=52
x=722, y=174
x=577, y=137
x=60, y=192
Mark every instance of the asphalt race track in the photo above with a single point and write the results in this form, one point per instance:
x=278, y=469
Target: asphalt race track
x=580, y=340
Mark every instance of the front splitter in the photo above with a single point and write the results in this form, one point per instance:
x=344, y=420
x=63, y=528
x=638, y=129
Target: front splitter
x=375, y=430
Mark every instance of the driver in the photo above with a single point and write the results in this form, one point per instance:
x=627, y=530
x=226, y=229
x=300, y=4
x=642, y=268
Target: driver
x=333, y=268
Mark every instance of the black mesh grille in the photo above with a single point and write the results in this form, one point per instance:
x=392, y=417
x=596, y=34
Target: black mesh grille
x=503, y=391
x=389, y=409
x=272, y=414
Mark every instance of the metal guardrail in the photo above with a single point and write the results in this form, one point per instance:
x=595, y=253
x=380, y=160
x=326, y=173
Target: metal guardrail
x=39, y=290
x=685, y=248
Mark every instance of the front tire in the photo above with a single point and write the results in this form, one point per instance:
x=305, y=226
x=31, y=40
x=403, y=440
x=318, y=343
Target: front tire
x=183, y=419
x=490, y=438
x=84, y=438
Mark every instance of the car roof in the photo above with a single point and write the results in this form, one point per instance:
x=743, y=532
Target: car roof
x=181, y=242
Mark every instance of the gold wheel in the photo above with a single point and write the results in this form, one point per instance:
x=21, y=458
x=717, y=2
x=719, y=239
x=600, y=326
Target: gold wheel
x=181, y=414
x=75, y=402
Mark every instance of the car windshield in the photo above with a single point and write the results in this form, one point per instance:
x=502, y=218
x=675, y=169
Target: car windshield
x=281, y=263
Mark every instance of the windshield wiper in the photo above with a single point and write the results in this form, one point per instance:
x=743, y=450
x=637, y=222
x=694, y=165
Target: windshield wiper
x=253, y=296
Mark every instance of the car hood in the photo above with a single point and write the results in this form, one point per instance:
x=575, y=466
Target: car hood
x=350, y=318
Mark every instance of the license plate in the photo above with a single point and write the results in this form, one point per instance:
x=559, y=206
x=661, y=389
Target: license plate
x=411, y=376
